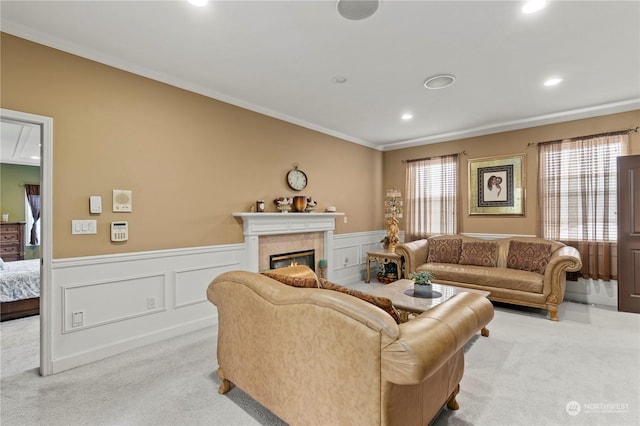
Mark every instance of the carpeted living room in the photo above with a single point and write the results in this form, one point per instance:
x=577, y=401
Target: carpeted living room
x=331, y=212
x=528, y=371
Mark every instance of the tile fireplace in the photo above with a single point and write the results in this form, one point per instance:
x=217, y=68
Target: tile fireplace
x=304, y=257
x=288, y=230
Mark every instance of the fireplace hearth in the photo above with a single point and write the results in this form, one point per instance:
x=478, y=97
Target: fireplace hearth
x=303, y=257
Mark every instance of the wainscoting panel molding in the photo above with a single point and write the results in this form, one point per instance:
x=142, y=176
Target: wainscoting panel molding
x=145, y=296
x=350, y=254
x=130, y=300
x=189, y=283
x=125, y=301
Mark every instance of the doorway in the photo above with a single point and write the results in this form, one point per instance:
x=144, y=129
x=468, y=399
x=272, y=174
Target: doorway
x=629, y=233
x=45, y=127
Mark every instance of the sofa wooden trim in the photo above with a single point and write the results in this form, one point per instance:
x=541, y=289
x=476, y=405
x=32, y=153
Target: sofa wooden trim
x=563, y=258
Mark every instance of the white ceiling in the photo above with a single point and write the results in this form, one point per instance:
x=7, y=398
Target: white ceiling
x=19, y=143
x=280, y=57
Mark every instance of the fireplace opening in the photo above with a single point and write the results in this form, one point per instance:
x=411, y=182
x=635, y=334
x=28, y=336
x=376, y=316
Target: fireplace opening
x=282, y=260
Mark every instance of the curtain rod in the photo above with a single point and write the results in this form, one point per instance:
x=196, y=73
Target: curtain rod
x=613, y=133
x=412, y=160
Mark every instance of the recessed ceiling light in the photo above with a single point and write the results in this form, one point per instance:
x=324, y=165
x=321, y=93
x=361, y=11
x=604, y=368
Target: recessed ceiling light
x=553, y=81
x=199, y=3
x=339, y=79
x=439, y=81
x=357, y=9
x=35, y=157
x=532, y=6
x=407, y=116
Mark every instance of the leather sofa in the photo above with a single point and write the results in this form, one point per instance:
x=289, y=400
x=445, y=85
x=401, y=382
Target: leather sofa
x=314, y=356
x=520, y=270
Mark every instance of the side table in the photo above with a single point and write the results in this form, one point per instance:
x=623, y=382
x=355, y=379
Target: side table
x=383, y=258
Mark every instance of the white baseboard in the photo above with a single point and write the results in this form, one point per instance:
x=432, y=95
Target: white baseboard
x=596, y=292
x=94, y=354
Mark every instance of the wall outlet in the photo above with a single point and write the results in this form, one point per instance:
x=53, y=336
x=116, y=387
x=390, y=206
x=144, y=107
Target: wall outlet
x=77, y=319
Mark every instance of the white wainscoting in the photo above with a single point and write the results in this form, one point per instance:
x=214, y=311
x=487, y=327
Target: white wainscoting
x=349, y=260
x=130, y=300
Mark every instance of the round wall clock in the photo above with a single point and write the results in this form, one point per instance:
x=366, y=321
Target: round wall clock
x=297, y=179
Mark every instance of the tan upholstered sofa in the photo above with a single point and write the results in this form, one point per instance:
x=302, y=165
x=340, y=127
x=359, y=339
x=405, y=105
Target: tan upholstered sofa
x=521, y=271
x=319, y=357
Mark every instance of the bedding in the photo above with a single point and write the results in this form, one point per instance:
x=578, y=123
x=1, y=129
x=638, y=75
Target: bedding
x=20, y=280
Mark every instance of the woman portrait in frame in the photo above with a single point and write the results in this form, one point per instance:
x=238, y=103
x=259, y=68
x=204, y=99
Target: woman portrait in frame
x=496, y=185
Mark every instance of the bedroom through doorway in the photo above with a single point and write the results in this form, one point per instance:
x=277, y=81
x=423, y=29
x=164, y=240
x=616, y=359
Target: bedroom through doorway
x=25, y=171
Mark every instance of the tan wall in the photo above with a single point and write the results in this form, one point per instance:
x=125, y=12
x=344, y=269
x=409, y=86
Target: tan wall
x=514, y=142
x=190, y=161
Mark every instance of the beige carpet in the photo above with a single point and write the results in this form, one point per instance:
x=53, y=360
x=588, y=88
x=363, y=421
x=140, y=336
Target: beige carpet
x=583, y=370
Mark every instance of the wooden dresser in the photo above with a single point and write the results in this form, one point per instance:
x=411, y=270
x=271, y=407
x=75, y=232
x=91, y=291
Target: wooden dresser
x=12, y=241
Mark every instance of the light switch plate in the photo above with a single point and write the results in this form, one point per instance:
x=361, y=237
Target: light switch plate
x=121, y=200
x=84, y=227
x=95, y=204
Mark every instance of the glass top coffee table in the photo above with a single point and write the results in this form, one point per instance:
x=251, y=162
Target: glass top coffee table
x=401, y=294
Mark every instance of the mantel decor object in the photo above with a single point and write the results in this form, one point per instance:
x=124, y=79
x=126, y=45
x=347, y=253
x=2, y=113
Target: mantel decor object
x=299, y=203
x=283, y=204
x=393, y=212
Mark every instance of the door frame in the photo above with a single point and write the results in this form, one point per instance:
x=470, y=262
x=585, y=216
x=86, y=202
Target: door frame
x=46, y=228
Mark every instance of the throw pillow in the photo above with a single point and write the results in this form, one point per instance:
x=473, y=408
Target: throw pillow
x=381, y=302
x=293, y=281
x=479, y=253
x=444, y=250
x=532, y=257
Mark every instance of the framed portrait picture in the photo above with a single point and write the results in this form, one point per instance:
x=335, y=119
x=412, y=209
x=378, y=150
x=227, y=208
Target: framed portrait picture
x=496, y=185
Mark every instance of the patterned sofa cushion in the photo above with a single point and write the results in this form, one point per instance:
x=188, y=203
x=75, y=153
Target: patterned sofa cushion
x=479, y=254
x=295, y=276
x=381, y=302
x=444, y=250
x=525, y=256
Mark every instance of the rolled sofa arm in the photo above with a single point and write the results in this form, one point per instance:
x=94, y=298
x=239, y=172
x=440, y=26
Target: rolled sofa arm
x=566, y=258
x=429, y=340
x=414, y=253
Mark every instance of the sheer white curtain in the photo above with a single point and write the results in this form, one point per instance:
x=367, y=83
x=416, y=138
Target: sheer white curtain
x=577, y=197
x=431, y=197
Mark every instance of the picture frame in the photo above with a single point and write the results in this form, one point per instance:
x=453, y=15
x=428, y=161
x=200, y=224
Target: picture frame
x=496, y=185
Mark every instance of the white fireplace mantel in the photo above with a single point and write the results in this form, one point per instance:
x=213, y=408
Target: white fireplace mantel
x=257, y=224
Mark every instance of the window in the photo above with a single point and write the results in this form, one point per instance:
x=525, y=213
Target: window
x=431, y=187
x=32, y=214
x=577, y=188
x=577, y=196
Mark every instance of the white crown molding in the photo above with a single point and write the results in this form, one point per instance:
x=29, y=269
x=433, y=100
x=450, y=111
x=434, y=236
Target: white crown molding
x=559, y=117
x=490, y=128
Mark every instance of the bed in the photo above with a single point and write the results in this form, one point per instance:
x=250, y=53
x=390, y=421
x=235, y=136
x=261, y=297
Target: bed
x=20, y=289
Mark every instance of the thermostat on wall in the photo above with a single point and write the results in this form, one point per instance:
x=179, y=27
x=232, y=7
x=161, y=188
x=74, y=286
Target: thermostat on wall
x=121, y=200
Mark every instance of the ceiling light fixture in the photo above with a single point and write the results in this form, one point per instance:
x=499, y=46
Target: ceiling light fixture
x=532, y=6
x=357, y=9
x=199, y=3
x=439, y=81
x=553, y=81
x=407, y=116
